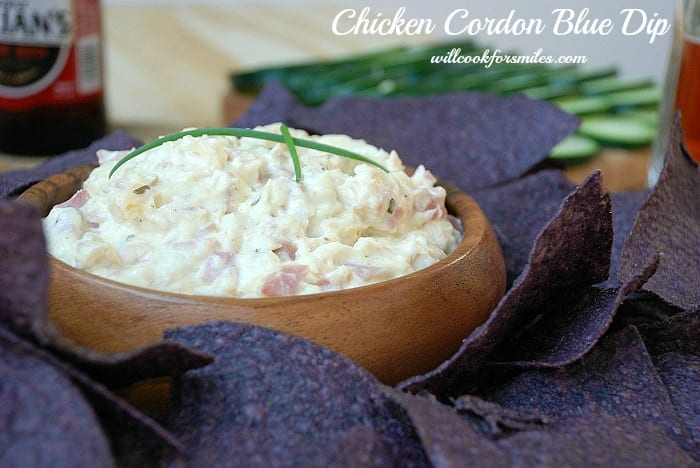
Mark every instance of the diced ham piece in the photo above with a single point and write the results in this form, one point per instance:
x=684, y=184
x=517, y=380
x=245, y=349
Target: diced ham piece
x=323, y=283
x=77, y=200
x=395, y=217
x=434, y=205
x=284, y=282
x=287, y=252
x=327, y=285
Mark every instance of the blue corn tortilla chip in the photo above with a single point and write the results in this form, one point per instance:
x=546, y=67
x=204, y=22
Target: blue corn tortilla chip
x=625, y=206
x=162, y=359
x=669, y=223
x=448, y=439
x=675, y=349
x=678, y=334
x=362, y=446
x=518, y=211
x=116, y=412
x=497, y=420
x=24, y=271
x=272, y=399
x=567, y=329
x=642, y=308
x=473, y=140
x=680, y=374
x=572, y=252
x=274, y=103
x=15, y=182
x=44, y=419
x=617, y=378
x=593, y=439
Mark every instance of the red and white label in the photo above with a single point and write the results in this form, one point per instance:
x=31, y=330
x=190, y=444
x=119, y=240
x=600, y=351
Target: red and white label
x=50, y=52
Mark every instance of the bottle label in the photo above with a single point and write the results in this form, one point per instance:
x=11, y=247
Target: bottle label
x=50, y=52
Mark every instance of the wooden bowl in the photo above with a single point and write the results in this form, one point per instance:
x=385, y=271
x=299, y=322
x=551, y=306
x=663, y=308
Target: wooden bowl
x=395, y=329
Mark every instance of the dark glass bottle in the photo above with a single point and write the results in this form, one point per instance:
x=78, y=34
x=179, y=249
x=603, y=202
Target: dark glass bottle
x=51, y=86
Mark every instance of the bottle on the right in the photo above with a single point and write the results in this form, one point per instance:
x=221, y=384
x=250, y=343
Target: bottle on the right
x=682, y=88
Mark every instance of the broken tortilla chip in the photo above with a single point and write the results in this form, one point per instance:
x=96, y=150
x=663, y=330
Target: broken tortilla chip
x=571, y=252
x=45, y=420
x=270, y=397
x=669, y=223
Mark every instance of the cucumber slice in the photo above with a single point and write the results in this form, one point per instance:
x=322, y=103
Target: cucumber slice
x=617, y=131
x=575, y=149
x=637, y=98
x=614, y=84
x=584, y=105
x=647, y=116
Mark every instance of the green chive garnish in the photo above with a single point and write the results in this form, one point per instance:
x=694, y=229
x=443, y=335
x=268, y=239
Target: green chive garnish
x=246, y=132
x=292, y=151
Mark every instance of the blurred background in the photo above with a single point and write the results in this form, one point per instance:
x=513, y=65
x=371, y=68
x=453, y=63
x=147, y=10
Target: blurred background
x=168, y=62
x=171, y=64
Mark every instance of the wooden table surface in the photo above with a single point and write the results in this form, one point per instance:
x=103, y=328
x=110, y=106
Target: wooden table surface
x=167, y=67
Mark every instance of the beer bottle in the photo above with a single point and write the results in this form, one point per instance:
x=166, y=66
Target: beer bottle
x=51, y=86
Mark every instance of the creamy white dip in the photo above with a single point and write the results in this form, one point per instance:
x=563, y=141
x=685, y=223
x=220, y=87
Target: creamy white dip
x=223, y=216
